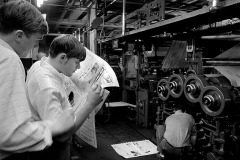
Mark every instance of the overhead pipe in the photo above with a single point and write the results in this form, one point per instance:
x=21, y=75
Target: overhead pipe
x=222, y=37
x=223, y=63
x=220, y=62
x=124, y=18
x=105, y=9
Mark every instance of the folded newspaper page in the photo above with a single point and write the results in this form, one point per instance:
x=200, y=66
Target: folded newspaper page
x=93, y=70
x=135, y=149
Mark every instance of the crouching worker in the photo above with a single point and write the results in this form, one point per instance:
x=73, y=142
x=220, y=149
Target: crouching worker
x=177, y=138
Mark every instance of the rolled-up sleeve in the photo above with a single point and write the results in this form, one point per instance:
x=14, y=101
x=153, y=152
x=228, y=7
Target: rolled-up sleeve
x=18, y=133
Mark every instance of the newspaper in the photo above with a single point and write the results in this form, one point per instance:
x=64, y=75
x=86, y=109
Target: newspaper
x=135, y=149
x=93, y=70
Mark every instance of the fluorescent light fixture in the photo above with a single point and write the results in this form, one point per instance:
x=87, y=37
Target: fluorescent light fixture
x=112, y=2
x=214, y=3
x=40, y=2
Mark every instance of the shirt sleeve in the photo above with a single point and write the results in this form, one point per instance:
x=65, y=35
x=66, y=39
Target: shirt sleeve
x=48, y=104
x=18, y=133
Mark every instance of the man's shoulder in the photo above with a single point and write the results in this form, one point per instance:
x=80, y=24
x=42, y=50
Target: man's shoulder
x=190, y=118
x=8, y=55
x=40, y=75
x=35, y=66
x=174, y=116
x=33, y=69
x=37, y=69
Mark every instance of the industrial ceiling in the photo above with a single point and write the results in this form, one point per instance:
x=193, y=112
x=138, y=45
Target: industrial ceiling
x=69, y=16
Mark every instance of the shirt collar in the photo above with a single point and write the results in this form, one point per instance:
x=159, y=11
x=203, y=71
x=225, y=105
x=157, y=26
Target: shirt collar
x=51, y=69
x=5, y=44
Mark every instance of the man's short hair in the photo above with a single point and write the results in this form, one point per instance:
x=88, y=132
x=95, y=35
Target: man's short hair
x=21, y=15
x=179, y=106
x=69, y=45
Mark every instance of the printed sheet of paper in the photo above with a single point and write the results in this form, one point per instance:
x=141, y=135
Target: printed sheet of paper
x=93, y=70
x=135, y=149
x=88, y=132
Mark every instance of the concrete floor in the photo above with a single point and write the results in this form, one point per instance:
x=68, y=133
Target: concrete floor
x=118, y=129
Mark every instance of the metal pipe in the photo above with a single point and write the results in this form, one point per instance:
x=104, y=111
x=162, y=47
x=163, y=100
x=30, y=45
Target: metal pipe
x=222, y=37
x=223, y=63
x=56, y=34
x=208, y=124
x=123, y=18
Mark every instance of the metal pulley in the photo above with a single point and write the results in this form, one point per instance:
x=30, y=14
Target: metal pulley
x=193, y=87
x=162, y=89
x=176, y=82
x=214, y=100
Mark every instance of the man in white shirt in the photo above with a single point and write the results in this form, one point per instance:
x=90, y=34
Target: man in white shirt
x=177, y=139
x=47, y=94
x=21, y=28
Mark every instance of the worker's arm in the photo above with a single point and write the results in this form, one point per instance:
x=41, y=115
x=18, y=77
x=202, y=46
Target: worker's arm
x=73, y=121
x=49, y=105
x=95, y=96
x=193, y=140
x=18, y=133
x=53, y=107
x=193, y=133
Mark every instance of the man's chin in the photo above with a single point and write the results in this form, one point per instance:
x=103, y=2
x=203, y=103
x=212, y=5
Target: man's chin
x=24, y=55
x=70, y=75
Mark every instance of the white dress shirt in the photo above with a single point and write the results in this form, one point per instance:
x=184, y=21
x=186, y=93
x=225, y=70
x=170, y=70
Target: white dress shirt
x=48, y=98
x=46, y=90
x=18, y=132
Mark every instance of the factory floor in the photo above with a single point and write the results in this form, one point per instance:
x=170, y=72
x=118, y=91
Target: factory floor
x=112, y=128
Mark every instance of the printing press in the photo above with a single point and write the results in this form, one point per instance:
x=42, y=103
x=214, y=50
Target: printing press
x=205, y=86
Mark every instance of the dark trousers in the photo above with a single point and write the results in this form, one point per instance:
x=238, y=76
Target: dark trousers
x=58, y=151
x=175, y=153
x=20, y=156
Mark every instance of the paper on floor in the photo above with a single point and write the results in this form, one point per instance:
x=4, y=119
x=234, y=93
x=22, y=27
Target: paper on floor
x=135, y=149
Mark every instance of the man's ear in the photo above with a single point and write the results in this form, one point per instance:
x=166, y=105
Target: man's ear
x=62, y=57
x=19, y=34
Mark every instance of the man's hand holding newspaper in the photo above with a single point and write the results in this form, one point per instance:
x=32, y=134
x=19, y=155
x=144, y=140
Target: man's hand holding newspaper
x=93, y=71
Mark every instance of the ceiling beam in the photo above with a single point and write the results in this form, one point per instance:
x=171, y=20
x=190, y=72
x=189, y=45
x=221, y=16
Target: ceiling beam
x=79, y=23
x=76, y=14
x=67, y=22
x=127, y=2
x=66, y=8
x=82, y=8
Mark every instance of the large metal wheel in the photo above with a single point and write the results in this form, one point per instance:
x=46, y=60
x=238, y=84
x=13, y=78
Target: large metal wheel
x=214, y=100
x=193, y=87
x=176, y=82
x=163, y=90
